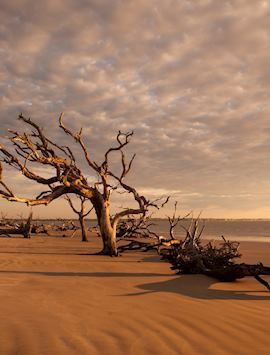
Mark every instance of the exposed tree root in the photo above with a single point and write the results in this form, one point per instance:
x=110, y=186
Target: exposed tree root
x=191, y=256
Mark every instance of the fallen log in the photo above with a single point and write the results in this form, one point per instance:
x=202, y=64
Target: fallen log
x=137, y=245
x=238, y=271
x=41, y=229
x=192, y=256
x=23, y=228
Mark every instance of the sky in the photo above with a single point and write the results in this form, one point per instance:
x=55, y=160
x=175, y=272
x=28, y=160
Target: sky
x=190, y=78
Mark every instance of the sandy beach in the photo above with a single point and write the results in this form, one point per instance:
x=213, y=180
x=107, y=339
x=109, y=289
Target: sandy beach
x=56, y=299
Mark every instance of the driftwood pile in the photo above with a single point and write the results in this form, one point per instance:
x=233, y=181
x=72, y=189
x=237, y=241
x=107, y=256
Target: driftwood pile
x=135, y=228
x=195, y=256
x=22, y=228
x=10, y=227
x=49, y=229
x=138, y=245
x=192, y=256
x=135, y=234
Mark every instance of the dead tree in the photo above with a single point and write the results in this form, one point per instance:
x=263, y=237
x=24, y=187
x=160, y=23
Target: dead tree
x=135, y=228
x=34, y=148
x=130, y=233
x=192, y=256
x=82, y=213
x=23, y=228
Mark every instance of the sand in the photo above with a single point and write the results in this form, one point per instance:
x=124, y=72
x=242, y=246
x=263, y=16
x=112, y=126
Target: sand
x=55, y=299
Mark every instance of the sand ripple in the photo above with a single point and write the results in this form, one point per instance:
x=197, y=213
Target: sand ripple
x=55, y=300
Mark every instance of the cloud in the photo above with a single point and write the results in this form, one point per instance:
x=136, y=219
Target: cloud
x=190, y=78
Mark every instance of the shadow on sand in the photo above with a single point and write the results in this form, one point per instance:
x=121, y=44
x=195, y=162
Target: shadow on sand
x=195, y=286
x=198, y=286
x=85, y=274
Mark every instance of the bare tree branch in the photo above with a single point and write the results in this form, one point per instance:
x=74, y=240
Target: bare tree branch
x=78, y=138
x=173, y=221
x=35, y=148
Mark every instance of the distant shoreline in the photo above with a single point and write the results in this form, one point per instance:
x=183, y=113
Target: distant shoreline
x=153, y=219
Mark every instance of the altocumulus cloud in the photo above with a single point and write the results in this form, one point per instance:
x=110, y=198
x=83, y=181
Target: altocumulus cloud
x=191, y=78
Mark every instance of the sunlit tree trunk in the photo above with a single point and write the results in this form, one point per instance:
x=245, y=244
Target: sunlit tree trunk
x=107, y=232
x=83, y=228
x=67, y=178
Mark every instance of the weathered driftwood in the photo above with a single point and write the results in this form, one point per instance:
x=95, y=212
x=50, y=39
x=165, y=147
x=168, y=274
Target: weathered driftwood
x=48, y=228
x=137, y=245
x=41, y=229
x=135, y=233
x=174, y=220
x=135, y=228
x=23, y=228
x=66, y=226
x=191, y=256
x=141, y=228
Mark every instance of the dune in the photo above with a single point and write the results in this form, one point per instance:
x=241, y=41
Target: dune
x=56, y=299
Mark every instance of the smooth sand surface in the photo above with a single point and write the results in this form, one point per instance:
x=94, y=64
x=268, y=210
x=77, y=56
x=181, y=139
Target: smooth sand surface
x=55, y=299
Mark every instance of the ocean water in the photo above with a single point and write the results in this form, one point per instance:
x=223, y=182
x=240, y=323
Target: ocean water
x=248, y=230
x=244, y=229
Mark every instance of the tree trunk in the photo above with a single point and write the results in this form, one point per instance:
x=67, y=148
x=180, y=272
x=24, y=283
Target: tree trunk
x=83, y=229
x=28, y=227
x=108, y=233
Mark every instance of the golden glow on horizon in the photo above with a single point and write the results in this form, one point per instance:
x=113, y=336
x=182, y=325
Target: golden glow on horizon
x=191, y=78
